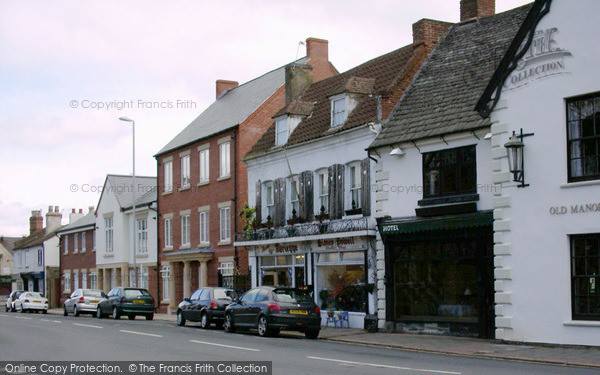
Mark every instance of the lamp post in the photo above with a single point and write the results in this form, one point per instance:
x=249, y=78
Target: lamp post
x=516, y=163
x=134, y=234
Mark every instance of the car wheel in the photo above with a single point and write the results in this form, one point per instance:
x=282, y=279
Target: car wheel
x=131, y=317
x=263, y=326
x=312, y=334
x=228, y=324
x=22, y=310
x=75, y=311
x=149, y=316
x=65, y=313
x=204, y=321
x=116, y=313
x=99, y=314
x=180, y=319
x=44, y=311
x=7, y=309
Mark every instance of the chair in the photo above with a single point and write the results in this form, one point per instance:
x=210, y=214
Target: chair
x=330, y=319
x=343, y=318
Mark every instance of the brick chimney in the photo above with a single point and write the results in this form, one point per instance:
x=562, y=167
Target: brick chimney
x=53, y=218
x=298, y=77
x=36, y=221
x=223, y=85
x=317, y=50
x=429, y=31
x=470, y=9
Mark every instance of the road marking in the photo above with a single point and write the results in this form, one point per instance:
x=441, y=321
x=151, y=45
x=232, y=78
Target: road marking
x=385, y=366
x=56, y=321
x=45, y=320
x=22, y=317
x=86, y=325
x=140, y=333
x=225, y=346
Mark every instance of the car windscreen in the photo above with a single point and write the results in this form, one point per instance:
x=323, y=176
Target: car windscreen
x=92, y=293
x=132, y=293
x=291, y=296
x=33, y=295
x=225, y=294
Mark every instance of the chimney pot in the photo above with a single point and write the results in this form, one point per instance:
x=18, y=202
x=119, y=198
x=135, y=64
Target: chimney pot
x=81, y=210
x=470, y=9
x=429, y=31
x=73, y=211
x=91, y=208
x=223, y=85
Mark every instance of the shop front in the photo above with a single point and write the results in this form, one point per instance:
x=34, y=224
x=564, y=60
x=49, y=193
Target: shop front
x=440, y=274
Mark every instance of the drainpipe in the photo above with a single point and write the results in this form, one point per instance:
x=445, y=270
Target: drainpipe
x=235, y=194
x=157, y=260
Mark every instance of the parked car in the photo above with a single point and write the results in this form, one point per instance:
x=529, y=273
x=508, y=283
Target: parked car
x=272, y=309
x=10, y=302
x=206, y=305
x=31, y=301
x=126, y=301
x=83, y=301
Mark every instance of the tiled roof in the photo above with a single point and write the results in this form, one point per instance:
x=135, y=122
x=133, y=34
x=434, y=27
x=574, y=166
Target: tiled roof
x=9, y=242
x=37, y=238
x=121, y=187
x=376, y=76
x=87, y=220
x=442, y=97
x=231, y=108
x=146, y=199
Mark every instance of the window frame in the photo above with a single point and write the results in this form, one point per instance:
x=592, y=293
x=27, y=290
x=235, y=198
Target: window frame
x=278, y=132
x=226, y=268
x=185, y=171
x=225, y=224
x=83, y=247
x=168, y=232
x=185, y=230
x=595, y=117
x=204, y=166
x=66, y=244
x=322, y=194
x=343, y=112
x=166, y=282
x=203, y=227
x=142, y=235
x=168, y=176
x=108, y=235
x=225, y=159
x=294, y=183
x=75, y=243
x=457, y=167
x=575, y=296
x=354, y=172
x=269, y=199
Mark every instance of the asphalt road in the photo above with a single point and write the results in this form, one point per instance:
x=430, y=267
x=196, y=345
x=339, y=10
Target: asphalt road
x=50, y=337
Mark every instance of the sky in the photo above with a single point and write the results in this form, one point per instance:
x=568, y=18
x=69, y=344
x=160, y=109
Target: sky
x=70, y=69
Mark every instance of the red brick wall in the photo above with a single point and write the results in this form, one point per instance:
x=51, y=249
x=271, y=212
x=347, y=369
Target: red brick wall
x=76, y=261
x=476, y=9
x=429, y=31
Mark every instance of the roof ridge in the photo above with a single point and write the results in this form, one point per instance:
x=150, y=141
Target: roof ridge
x=128, y=175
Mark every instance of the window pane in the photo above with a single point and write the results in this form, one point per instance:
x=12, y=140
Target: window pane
x=268, y=261
x=328, y=257
x=284, y=260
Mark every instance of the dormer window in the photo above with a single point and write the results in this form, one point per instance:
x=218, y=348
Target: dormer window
x=281, y=131
x=338, y=111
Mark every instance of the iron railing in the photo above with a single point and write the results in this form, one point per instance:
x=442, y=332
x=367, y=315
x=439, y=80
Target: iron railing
x=305, y=229
x=240, y=283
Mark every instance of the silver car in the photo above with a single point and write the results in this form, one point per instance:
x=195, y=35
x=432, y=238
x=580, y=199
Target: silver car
x=83, y=301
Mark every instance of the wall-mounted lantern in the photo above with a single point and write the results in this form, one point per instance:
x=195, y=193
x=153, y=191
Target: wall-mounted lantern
x=516, y=164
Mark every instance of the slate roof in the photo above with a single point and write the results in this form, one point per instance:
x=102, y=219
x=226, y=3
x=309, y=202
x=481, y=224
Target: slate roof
x=9, y=242
x=442, y=97
x=376, y=76
x=87, y=220
x=36, y=238
x=121, y=188
x=145, y=200
x=231, y=108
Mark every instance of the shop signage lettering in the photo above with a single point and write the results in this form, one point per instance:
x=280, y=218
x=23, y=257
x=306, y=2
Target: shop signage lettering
x=344, y=243
x=575, y=209
x=389, y=228
x=543, y=59
x=279, y=248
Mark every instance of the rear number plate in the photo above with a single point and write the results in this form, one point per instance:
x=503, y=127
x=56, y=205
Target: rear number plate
x=37, y=301
x=299, y=312
x=93, y=301
x=138, y=301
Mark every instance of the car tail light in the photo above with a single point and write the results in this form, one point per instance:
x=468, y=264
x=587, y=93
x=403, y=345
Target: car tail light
x=81, y=300
x=123, y=300
x=274, y=307
x=317, y=310
x=213, y=305
x=26, y=301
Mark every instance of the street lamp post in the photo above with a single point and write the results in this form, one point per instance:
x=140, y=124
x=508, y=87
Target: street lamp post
x=127, y=119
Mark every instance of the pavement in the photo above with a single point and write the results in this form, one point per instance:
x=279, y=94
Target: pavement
x=449, y=345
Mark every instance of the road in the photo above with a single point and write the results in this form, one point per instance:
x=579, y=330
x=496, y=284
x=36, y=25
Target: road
x=51, y=337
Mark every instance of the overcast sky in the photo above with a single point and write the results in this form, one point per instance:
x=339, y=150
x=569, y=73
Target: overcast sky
x=60, y=59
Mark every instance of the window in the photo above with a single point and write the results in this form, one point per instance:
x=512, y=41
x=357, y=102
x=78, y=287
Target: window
x=338, y=112
x=355, y=187
x=585, y=276
x=108, y=227
x=203, y=216
x=84, y=279
x=168, y=232
x=142, y=236
x=168, y=169
x=270, y=200
x=75, y=243
x=226, y=268
x=94, y=241
x=76, y=280
x=40, y=259
x=449, y=172
x=204, y=165
x=583, y=138
x=67, y=282
x=93, y=280
x=82, y=242
x=294, y=198
x=185, y=171
x=323, y=203
x=225, y=223
x=185, y=230
x=142, y=277
x=224, y=159
x=281, y=132
x=66, y=244
x=131, y=278
x=164, y=273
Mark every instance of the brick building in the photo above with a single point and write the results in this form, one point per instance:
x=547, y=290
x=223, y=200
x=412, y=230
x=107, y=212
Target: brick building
x=202, y=184
x=78, y=253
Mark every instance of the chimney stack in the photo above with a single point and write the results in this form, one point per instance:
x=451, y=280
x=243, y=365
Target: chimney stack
x=298, y=77
x=36, y=221
x=53, y=218
x=470, y=9
x=91, y=208
x=429, y=31
x=317, y=51
x=223, y=85
x=74, y=215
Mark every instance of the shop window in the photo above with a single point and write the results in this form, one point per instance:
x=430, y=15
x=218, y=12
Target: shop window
x=340, y=281
x=449, y=172
x=583, y=138
x=585, y=276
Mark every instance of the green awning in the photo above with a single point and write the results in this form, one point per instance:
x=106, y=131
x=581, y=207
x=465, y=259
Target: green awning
x=389, y=227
